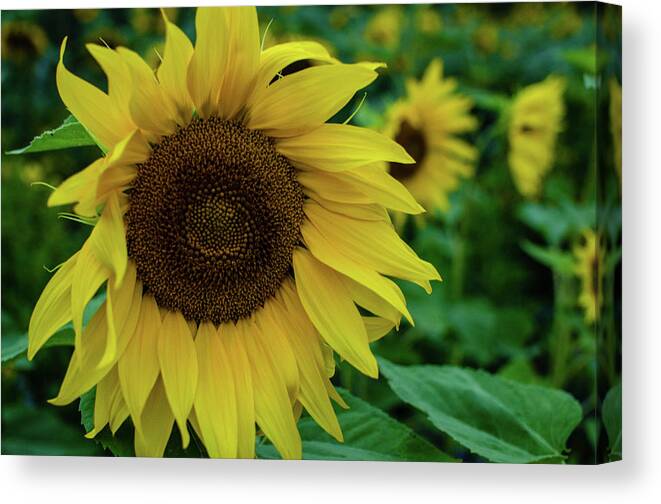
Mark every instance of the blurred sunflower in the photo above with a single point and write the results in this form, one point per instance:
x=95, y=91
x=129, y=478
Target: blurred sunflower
x=22, y=41
x=236, y=233
x=589, y=261
x=616, y=123
x=384, y=27
x=427, y=123
x=536, y=119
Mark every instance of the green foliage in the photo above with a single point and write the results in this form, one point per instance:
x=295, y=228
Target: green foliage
x=369, y=434
x=611, y=414
x=560, y=262
x=499, y=419
x=69, y=134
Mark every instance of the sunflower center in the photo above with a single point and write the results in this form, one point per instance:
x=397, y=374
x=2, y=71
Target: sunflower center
x=214, y=216
x=413, y=140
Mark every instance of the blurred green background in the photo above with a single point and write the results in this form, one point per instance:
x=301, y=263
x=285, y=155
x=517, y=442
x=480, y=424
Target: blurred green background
x=509, y=302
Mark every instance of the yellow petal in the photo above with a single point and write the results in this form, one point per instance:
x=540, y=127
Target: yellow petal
x=53, y=309
x=207, y=65
x=305, y=100
x=108, y=240
x=105, y=398
x=242, y=59
x=341, y=147
x=366, y=276
x=373, y=244
x=119, y=301
x=276, y=58
x=273, y=409
x=120, y=83
x=215, y=398
x=328, y=303
x=138, y=366
x=178, y=362
x=377, y=327
x=245, y=403
x=157, y=421
x=371, y=301
x=305, y=342
x=91, y=106
x=147, y=105
x=173, y=71
x=79, y=186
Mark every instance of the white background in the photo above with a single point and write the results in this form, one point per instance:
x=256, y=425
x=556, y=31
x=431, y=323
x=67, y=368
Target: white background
x=636, y=479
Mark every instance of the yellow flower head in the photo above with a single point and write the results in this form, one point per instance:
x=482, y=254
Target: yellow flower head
x=536, y=119
x=22, y=42
x=616, y=123
x=589, y=263
x=427, y=123
x=237, y=233
x=385, y=26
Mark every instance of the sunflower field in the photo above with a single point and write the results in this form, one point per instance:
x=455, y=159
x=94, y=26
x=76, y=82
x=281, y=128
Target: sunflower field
x=430, y=272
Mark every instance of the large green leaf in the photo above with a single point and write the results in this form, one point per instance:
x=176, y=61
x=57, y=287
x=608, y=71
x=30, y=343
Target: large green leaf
x=499, y=419
x=40, y=431
x=69, y=134
x=369, y=434
x=611, y=414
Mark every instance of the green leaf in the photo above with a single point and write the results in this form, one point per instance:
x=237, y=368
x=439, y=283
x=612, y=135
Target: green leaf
x=558, y=261
x=16, y=344
x=40, y=431
x=611, y=414
x=120, y=444
x=69, y=134
x=369, y=434
x=499, y=419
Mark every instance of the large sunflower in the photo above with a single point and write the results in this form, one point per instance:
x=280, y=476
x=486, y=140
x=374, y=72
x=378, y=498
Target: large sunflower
x=428, y=122
x=588, y=266
x=236, y=235
x=536, y=119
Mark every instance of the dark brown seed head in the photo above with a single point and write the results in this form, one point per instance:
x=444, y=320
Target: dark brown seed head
x=214, y=216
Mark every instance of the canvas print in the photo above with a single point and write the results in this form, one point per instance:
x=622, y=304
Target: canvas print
x=382, y=233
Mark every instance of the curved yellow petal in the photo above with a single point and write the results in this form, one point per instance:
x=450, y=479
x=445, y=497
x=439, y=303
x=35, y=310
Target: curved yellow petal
x=242, y=60
x=207, y=65
x=216, y=395
x=157, y=419
x=120, y=82
x=273, y=410
x=322, y=249
x=78, y=187
x=109, y=404
x=119, y=299
x=276, y=58
x=147, y=105
x=108, y=239
x=53, y=309
x=92, y=107
x=305, y=100
x=178, y=362
x=173, y=71
x=341, y=147
x=138, y=366
x=373, y=244
x=305, y=343
x=377, y=327
x=328, y=303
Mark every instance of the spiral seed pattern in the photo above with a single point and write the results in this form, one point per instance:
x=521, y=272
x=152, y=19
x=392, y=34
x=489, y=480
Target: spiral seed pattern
x=214, y=216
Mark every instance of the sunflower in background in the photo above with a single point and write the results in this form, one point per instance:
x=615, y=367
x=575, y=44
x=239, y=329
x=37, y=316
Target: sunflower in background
x=536, y=119
x=616, y=123
x=235, y=234
x=384, y=28
x=22, y=41
x=427, y=123
x=589, y=264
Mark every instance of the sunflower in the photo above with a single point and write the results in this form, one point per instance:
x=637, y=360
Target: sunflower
x=384, y=28
x=588, y=266
x=427, y=123
x=616, y=123
x=236, y=234
x=536, y=119
x=22, y=41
